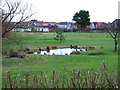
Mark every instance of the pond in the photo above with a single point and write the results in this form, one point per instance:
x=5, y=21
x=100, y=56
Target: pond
x=60, y=51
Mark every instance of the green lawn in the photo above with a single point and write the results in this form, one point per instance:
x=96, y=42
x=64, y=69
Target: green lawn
x=46, y=63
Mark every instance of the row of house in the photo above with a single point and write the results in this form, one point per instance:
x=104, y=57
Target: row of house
x=41, y=26
x=35, y=25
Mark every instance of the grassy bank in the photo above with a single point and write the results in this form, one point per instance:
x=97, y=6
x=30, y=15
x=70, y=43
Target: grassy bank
x=46, y=64
x=34, y=40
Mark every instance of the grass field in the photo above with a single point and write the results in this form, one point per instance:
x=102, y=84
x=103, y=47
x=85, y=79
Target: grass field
x=47, y=63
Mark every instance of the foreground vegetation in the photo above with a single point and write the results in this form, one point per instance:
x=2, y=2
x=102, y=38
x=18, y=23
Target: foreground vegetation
x=78, y=79
x=38, y=63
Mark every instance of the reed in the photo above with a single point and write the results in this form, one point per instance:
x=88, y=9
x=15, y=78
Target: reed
x=79, y=79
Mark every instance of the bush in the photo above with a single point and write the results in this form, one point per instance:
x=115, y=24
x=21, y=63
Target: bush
x=91, y=47
x=13, y=53
x=48, y=48
x=39, y=51
x=75, y=30
x=21, y=50
x=75, y=47
x=30, y=52
x=75, y=52
x=6, y=52
x=71, y=46
x=54, y=47
x=27, y=49
x=22, y=54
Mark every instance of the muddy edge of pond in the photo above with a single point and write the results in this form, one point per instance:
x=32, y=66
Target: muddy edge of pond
x=23, y=51
x=71, y=46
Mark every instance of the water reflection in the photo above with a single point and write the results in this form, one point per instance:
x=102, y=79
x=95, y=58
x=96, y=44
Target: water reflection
x=60, y=51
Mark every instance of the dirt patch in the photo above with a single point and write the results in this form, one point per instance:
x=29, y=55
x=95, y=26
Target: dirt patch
x=76, y=52
x=96, y=54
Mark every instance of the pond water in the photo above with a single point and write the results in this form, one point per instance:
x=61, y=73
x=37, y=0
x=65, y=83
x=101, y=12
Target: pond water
x=60, y=51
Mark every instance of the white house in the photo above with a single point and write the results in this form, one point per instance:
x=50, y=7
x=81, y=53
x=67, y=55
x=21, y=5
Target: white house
x=21, y=29
x=45, y=30
x=62, y=25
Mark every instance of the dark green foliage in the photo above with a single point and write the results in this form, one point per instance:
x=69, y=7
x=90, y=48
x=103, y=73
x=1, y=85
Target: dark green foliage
x=82, y=18
x=75, y=30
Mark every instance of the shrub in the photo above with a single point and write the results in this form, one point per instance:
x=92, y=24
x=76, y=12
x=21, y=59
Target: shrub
x=22, y=54
x=21, y=50
x=39, y=51
x=48, y=48
x=75, y=52
x=35, y=50
x=13, y=53
x=27, y=49
x=42, y=49
x=30, y=52
x=71, y=46
x=91, y=47
x=54, y=47
x=75, y=47
x=6, y=52
x=75, y=30
x=101, y=47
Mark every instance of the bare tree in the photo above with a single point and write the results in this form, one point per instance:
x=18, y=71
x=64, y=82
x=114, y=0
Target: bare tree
x=13, y=11
x=59, y=35
x=113, y=31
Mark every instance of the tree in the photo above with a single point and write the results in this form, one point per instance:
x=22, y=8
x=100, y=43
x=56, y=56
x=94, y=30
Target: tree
x=60, y=36
x=82, y=18
x=113, y=31
x=13, y=11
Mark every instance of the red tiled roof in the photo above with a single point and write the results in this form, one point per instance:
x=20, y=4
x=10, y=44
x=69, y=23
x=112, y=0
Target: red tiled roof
x=99, y=23
x=51, y=30
x=24, y=23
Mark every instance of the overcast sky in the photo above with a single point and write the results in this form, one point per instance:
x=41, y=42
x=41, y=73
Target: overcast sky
x=63, y=10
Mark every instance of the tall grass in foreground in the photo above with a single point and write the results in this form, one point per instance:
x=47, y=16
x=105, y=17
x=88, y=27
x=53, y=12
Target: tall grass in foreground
x=79, y=79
